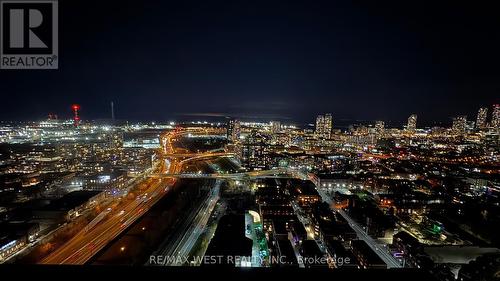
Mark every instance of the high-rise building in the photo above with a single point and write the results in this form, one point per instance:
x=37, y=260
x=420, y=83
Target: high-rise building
x=412, y=123
x=379, y=127
x=459, y=124
x=255, y=154
x=233, y=130
x=324, y=124
x=482, y=114
x=275, y=127
x=495, y=116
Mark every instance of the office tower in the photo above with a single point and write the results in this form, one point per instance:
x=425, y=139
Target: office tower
x=324, y=124
x=459, y=124
x=495, y=116
x=233, y=130
x=482, y=114
x=412, y=123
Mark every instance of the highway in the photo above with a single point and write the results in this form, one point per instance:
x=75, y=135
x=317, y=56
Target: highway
x=114, y=220
x=87, y=243
x=111, y=222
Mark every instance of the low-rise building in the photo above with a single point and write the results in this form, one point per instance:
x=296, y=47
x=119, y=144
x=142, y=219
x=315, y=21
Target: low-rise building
x=365, y=256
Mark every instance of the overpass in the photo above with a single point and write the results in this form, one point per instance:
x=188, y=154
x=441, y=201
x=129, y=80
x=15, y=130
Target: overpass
x=275, y=173
x=194, y=155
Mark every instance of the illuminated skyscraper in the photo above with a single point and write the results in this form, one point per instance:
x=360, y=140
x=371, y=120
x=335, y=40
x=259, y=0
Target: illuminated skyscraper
x=275, y=127
x=255, y=154
x=412, y=123
x=495, y=116
x=324, y=124
x=482, y=114
x=379, y=127
x=459, y=124
x=233, y=129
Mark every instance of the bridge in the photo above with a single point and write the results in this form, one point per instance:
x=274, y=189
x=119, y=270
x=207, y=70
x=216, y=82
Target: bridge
x=275, y=173
x=211, y=153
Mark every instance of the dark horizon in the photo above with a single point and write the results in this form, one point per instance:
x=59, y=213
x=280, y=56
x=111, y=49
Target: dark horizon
x=168, y=61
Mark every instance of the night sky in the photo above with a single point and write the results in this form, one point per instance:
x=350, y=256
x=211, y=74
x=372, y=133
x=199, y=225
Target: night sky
x=287, y=60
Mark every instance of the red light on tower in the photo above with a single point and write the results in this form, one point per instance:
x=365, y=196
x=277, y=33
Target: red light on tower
x=76, y=117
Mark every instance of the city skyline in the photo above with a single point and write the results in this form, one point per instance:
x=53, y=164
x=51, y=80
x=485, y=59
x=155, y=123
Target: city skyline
x=325, y=193
x=485, y=116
